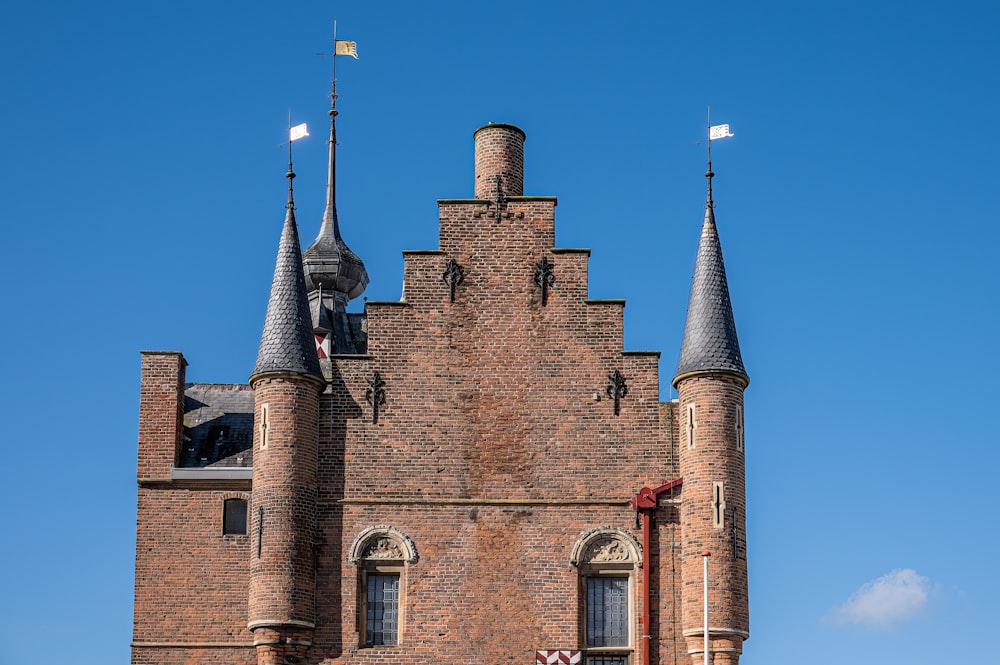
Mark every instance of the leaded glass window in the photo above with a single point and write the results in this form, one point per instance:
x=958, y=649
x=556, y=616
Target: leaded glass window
x=382, y=620
x=607, y=612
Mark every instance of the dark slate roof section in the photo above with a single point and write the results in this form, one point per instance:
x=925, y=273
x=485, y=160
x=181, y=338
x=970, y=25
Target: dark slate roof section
x=218, y=425
x=710, y=342
x=287, y=343
x=330, y=264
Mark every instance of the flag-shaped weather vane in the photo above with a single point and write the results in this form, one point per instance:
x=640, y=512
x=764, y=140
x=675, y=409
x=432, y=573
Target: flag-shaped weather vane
x=294, y=134
x=715, y=132
x=340, y=47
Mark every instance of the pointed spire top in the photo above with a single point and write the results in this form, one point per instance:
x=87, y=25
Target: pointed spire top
x=291, y=173
x=710, y=343
x=329, y=262
x=287, y=343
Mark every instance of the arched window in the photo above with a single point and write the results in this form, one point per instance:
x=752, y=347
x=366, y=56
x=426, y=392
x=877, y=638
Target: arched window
x=382, y=554
x=607, y=558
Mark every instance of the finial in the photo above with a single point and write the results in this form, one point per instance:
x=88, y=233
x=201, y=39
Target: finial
x=340, y=47
x=296, y=132
x=709, y=174
x=716, y=132
x=333, y=83
x=291, y=173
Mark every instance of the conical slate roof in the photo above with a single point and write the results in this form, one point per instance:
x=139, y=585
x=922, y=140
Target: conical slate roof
x=710, y=342
x=287, y=343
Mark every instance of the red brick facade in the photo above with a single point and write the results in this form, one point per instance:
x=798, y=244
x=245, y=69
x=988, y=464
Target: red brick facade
x=496, y=478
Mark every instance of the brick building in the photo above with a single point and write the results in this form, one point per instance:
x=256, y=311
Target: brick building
x=478, y=473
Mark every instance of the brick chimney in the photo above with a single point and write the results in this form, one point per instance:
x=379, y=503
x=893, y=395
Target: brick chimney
x=499, y=152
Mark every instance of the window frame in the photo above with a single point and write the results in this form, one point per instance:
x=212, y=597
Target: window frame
x=246, y=516
x=381, y=550
x=602, y=571
x=605, y=552
x=380, y=569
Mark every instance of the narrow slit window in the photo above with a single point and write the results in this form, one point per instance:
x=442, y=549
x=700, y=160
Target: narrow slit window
x=690, y=426
x=234, y=517
x=718, y=505
x=265, y=425
x=739, y=428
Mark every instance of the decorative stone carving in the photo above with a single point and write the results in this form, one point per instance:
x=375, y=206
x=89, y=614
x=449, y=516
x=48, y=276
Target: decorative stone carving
x=607, y=544
x=606, y=549
x=382, y=548
x=382, y=543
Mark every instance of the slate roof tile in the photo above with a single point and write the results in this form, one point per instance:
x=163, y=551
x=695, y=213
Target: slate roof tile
x=710, y=341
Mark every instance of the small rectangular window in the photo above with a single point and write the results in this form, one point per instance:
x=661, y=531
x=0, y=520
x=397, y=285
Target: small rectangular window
x=607, y=612
x=382, y=619
x=234, y=517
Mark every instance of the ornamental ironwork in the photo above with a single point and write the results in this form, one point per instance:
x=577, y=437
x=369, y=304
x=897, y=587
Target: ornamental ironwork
x=453, y=276
x=617, y=389
x=545, y=277
x=375, y=395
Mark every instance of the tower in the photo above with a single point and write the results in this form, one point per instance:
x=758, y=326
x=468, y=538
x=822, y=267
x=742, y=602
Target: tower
x=710, y=381
x=286, y=384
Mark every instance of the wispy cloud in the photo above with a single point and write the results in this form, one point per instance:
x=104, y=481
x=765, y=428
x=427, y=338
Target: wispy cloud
x=884, y=602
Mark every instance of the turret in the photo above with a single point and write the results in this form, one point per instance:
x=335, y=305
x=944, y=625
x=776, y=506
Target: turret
x=710, y=381
x=286, y=382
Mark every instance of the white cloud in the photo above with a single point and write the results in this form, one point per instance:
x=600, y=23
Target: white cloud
x=885, y=602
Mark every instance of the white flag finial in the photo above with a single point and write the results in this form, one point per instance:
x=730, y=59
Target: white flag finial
x=716, y=132
x=298, y=132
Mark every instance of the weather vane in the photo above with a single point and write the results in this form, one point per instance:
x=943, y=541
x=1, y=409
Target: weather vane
x=715, y=132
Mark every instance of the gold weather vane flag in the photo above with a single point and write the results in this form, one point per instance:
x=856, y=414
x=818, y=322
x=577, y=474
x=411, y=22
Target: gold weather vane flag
x=298, y=132
x=346, y=47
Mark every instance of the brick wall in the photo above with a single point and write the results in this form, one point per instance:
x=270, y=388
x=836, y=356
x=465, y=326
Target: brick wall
x=190, y=580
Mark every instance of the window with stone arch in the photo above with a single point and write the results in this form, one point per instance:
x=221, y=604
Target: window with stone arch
x=382, y=554
x=607, y=559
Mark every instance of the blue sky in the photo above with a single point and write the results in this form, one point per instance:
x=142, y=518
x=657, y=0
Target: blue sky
x=144, y=192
